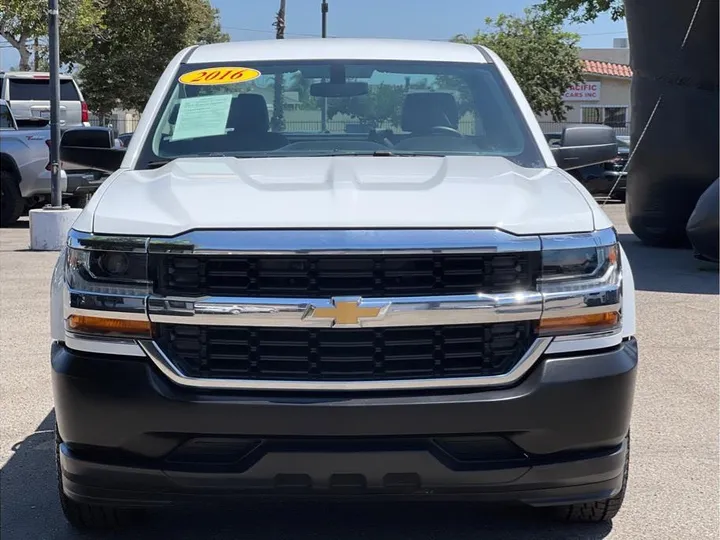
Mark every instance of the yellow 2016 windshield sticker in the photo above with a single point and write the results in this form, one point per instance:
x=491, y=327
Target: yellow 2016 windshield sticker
x=219, y=75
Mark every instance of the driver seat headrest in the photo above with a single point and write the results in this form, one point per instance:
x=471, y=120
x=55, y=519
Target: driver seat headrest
x=249, y=114
x=425, y=110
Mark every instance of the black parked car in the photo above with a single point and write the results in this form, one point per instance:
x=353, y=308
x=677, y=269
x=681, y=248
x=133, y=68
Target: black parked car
x=599, y=179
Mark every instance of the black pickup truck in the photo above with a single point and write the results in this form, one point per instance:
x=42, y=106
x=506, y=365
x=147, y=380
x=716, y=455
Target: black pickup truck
x=609, y=178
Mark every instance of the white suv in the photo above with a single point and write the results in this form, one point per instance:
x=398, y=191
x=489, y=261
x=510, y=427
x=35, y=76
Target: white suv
x=28, y=94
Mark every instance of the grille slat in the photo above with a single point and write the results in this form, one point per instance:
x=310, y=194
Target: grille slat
x=336, y=275
x=346, y=354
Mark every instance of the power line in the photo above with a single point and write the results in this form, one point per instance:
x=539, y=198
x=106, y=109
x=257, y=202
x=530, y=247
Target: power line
x=298, y=34
x=256, y=30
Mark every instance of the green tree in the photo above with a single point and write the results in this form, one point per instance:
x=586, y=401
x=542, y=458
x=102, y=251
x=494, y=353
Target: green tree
x=583, y=10
x=135, y=42
x=542, y=56
x=383, y=103
x=22, y=22
x=301, y=85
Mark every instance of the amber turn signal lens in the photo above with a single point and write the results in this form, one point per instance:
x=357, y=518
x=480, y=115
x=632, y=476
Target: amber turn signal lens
x=613, y=254
x=101, y=325
x=594, y=322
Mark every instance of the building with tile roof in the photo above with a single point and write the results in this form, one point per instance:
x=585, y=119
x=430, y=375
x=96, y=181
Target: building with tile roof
x=595, y=67
x=604, y=97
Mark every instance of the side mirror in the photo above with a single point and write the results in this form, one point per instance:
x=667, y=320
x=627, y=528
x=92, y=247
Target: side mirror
x=92, y=148
x=581, y=146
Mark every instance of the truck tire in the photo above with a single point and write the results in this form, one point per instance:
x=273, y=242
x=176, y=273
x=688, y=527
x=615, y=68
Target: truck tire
x=88, y=516
x=12, y=205
x=596, y=511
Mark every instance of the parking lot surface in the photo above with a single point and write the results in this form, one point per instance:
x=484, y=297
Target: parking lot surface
x=673, y=487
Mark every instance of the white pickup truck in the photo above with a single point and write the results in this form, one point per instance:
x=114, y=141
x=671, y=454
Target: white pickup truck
x=433, y=308
x=25, y=171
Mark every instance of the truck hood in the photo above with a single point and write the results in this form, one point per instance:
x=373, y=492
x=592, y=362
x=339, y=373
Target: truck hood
x=340, y=192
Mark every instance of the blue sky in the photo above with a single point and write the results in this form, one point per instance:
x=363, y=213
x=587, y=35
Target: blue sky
x=413, y=19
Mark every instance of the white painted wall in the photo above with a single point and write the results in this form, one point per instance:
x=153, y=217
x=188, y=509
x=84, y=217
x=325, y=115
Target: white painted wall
x=614, y=92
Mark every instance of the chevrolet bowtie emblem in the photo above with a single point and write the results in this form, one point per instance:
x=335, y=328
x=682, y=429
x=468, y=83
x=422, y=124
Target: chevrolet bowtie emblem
x=347, y=312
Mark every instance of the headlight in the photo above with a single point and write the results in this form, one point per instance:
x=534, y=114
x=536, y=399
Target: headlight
x=107, y=287
x=578, y=265
x=102, y=268
x=581, y=286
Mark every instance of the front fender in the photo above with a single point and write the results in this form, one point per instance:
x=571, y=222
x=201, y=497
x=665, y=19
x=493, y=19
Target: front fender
x=57, y=298
x=628, y=292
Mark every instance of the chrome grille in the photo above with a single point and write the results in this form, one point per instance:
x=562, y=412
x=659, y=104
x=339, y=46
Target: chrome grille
x=345, y=354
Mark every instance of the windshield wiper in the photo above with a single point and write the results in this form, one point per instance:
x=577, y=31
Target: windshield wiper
x=160, y=162
x=390, y=153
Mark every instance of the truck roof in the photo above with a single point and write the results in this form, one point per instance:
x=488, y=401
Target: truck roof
x=338, y=49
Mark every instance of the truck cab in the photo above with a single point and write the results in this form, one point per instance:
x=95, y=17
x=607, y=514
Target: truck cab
x=259, y=304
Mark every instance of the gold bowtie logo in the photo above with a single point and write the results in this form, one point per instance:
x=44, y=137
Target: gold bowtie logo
x=347, y=312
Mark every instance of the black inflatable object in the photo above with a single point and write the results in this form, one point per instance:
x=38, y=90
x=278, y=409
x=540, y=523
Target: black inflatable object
x=677, y=158
x=703, y=227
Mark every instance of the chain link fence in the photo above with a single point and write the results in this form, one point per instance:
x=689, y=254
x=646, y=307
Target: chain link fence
x=119, y=122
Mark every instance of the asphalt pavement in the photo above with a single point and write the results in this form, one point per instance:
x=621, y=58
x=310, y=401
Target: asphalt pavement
x=673, y=486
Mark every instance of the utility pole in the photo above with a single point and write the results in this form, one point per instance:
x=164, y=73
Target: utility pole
x=278, y=120
x=324, y=11
x=54, y=49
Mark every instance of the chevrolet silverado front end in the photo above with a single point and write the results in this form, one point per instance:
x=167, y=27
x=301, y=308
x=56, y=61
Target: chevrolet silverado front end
x=436, y=311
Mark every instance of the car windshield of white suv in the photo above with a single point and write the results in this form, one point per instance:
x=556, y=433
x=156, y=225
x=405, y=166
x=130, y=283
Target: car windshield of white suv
x=329, y=108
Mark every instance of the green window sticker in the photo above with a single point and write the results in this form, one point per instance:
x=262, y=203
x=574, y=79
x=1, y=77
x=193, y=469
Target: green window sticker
x=204, y=116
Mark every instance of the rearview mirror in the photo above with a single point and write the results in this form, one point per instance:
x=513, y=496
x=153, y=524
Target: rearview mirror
x=581, y=146
x=347, y=89
x=323, y=71
x=92, y=148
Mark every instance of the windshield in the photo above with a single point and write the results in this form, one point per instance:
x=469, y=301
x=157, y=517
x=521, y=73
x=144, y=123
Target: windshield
x=264, y=109
x=623, y=143
x=5, y=117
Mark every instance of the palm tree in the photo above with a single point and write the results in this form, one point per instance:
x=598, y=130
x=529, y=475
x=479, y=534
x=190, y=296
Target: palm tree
x=298, y=83
x=278, y=120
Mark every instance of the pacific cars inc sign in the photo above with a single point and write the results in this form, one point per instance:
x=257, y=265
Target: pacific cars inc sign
x=589, y=91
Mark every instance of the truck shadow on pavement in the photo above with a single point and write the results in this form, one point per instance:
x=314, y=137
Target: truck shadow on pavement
x=22, y=223
x=30, y=510
x=669, y=270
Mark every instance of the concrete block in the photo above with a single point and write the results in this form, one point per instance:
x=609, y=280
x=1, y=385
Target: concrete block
x=49, y=227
